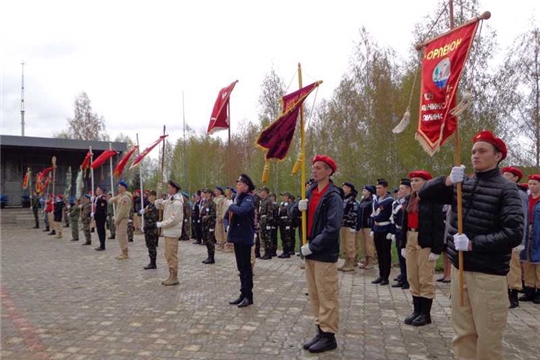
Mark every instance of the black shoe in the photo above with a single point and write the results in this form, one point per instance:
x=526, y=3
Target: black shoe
x=384, y=282
x=536, y=299
x=416, y=313
x=258, y=255
x=46, y=229
x=130, y=240
x=398, y=278
x=66, y=226
x=398, y=285
x=237, y=301
x=111, y=238
x=209, y=261
x=74, y=240
x=99, y=248
x=513, y=298
x=93, y=230
x=87, y=243
x=377, y=280
x=266, y=257
x=35, y=227
x=325, y=343
x=528, y=294
x=425, y=313
x=284, y=255
x=274, y=254
x=405, y=286
x=52, y=233
x=150, y=266
x=313, y=341
x=245, y=302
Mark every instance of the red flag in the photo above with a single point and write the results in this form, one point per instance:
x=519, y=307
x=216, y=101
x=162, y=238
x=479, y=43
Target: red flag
x=46, y=171
x=100, y=160
x=119, y=169
x=219, y=120
x=25, y=180
x=141, y=156
x=277, y=137
x=86, y=162
x=442, y=65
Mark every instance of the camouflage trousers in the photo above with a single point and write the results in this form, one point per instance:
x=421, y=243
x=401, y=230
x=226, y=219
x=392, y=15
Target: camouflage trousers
x=210, y=240
x=287, y=237
x=151, y=238
x=75, y=229
x=130, y=229
x=266, y=239
x=87, y=234
x=112, y=227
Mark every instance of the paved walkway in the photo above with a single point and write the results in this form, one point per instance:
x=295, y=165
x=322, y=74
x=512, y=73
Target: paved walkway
x=61, y=300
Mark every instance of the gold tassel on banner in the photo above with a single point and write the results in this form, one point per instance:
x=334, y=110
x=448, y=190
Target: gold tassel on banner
x=403, y=123
x=266, y=172
x=298, y=164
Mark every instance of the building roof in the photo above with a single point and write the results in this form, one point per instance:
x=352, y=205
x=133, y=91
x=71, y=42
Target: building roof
x=55, y=143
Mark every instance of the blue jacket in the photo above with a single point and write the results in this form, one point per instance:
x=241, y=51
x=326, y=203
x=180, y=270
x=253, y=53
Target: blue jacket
x=532, y=244
x=241, y=220
x=382, y=211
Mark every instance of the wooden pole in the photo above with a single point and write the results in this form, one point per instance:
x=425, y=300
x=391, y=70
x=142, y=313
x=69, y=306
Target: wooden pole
x=162, y=175
x=54, y=175
x=229, y=181
x=140, y=180
x=112, y=181
x=303, y=156
x=31, y=191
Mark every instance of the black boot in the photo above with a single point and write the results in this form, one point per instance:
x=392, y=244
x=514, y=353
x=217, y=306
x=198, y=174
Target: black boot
x=36, y=227
x=528, y=294
x=46, y=229
x=210, y=259
x=325, y=343
x=266, y=256
x=377, y=280
x=237, y=301
x=425, y=313
x=536, y=299
x=513, y=298
x=312, y=342
x=52, y=233
x=245, y=302
x=416, y=312
x=152, y=264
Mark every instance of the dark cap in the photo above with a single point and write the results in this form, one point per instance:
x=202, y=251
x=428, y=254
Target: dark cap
x=243, y=178
x=175, y=185
x=286, y=193
x=382, y=182
x=348, y=184
x=406, y=182
x=265, y=188
x=152, y=193
x=370, y=188
x=207, y=191
x=220, y=189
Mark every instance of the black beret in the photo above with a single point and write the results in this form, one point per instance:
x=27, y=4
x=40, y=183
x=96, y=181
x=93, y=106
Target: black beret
x=246, y=180
x=175, y=185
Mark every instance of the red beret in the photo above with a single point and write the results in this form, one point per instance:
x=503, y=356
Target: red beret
x=534, y=177
x=326, y=159
x=487, y=136
x=524, y=185
x=420, y=174
x=513, y=170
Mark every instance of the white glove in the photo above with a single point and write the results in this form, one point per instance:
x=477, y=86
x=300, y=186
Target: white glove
x=141, y=212
x=303, y=205
x=457, y=174
x=130, y=220
x=519, y=248
x=268, y=228
x=389, y=236
x=158, y=224
x=142, y=229
x=394, y=238
x=305, y=250
x=461, y=242
x=371, y=234
x=404, y=253
x=352, y=230
x=227, y=229
x=433, y=257
x=91, y=214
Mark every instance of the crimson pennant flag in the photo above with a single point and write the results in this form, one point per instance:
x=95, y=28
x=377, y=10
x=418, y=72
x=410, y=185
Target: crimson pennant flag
x=442, y=65
x=26, y=179
x=277, y=137
x=46, y=171
x=141, y=156
x=219, y=120
x=86, y=162
x=100, y=160
x=119, y=169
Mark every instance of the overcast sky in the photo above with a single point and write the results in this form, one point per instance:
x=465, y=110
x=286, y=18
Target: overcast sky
x=135, y=58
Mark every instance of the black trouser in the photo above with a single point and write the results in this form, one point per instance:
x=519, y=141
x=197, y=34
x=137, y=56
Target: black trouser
x=36, y=218
x=402, y=265
x=243, y=263
x=384, y=253
x=151, y=238
x=100, y=226
x=258, y=243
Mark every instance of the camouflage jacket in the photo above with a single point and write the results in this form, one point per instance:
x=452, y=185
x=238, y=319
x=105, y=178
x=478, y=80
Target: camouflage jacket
x=208, y=213
x=85, y=213
x=266, y=212
x=151, y=215
x=74, y=212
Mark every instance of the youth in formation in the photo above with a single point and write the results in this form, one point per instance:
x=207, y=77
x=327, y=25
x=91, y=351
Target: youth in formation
x=500, y=240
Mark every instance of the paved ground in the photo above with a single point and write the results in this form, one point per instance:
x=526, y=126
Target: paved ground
x=61, y=300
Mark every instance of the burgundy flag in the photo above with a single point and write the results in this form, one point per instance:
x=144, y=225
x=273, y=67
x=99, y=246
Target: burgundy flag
x=219, y=120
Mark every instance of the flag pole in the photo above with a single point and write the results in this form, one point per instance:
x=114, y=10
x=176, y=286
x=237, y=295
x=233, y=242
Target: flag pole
x=92, y=176
x=162, y=174
x=229, y=182
x=31, y=191
x=112, y=181
x=459, y=187
x=303, y=156
x=140, y=179
x=186, y=183
x=54, y=175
